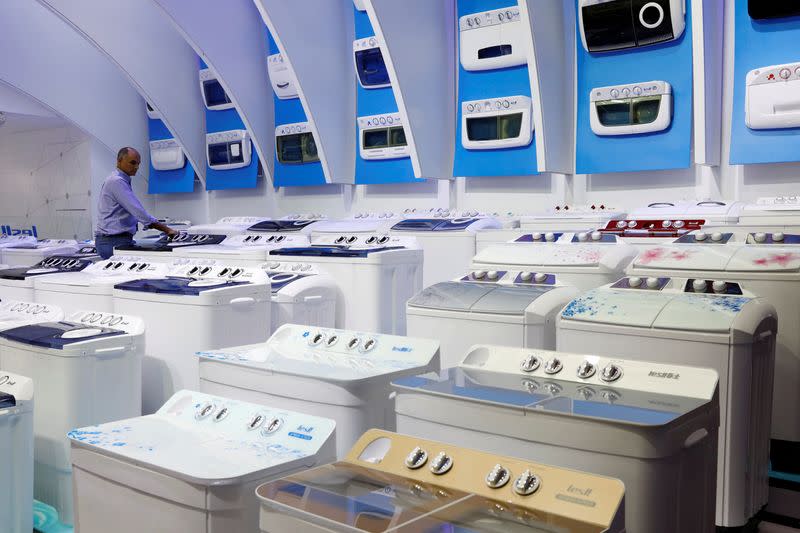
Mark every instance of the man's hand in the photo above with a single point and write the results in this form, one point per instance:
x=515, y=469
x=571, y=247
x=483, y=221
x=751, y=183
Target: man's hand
x=166, y=229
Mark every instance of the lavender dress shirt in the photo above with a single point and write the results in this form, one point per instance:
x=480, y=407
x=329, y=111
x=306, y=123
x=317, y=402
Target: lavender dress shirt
x=118, y=209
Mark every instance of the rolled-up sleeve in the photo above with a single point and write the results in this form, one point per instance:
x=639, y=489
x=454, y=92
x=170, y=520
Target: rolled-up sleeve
x=123, y=194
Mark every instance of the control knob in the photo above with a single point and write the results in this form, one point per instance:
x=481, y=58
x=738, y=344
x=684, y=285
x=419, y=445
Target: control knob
x=498, y=476
x=479, y=274
x=536, y=236
x=678, y=224
x=596, y=236
x=526, y=276
x=441, y=464
x=611, y=373
x=634, y=282
x=583, y=236
x=530, y=363
x=553, y=366
x=716, y=236
x=527, y=483
x=417, y=458
x=550, y=236
x=540, y=277
x=778, y=237
x=719, y=286
x=492, y=274
x=652, y=283
x=700, y=236
x=760, y=237
x=699, y=285
x=273, y=426
x=586, y=370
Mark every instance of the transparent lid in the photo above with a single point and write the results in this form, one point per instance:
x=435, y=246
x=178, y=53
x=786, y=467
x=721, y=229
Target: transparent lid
x=478, y=297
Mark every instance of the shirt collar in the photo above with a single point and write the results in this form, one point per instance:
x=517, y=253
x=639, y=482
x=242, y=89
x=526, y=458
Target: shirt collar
x=122, y=175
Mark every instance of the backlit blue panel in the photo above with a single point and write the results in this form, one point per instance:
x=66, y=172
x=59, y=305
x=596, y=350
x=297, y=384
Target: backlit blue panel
x=167, y=181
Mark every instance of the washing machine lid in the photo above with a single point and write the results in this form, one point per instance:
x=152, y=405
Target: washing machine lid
x=280, y=280
x=701, y=312
x=434, y=224
x=765, y=259
x=25, y=272
x=177, y=285
x=686, y=257
x=7, y=400
x=547, y=255
x=281, y=226
x=17, y=241
x=333, y=251
x=623, y=307
x=479, y=297
x=57, y=335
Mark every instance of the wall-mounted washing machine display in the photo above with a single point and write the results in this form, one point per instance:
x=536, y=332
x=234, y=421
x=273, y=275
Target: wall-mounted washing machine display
x=87, y=370
x=338, y=374
x=651, y=425
x=16, y=241
x=192, y=466
x=295, y=144
x=644, y=107
x=282, y=77
x=512, y=308
x=376, y=274
x=500, y=122
x=301, y=294
x=382, y=137
x=760, y=10
x=448, y=241
x=17, y=283
x=159, y=249
x=92, y=287
x=167, y=154
x=16, y=462
x=771, y=214
x=397, y=483
x=608, y=25
x=27, y=255
x=198, y=306
x=226, y=226
x=214, y=96
x=492, y=39
x=228, y=150
x=249, y=250
x=371, y=70
x=684, y=321
x=771, y=97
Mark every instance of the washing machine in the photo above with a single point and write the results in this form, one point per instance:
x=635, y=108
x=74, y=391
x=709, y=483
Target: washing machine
x=301, y=294
x=338, y=374
x=160, y=249
x=26, y=255
x=92, y=287
x=248, y=250
x=448, y=242
x=651, y=425
x=397, y=483
x=298, y=223
x=770, y=214
x=15, y=241
x=18, y=283
x=16, y=461
x=87, y=370
x=375, y=273
x=196, y=307
x=508, y=307
x=192, y=466
x=698, y=322
x=177, y=224
x=226, y=226
x=358, y=223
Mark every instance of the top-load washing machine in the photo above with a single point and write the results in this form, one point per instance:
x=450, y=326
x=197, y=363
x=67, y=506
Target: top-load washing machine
x=18, y=283
x=26, y=255
x=358, y=223
x=771, y=214
x=401, y=484
x=376, y=275
x=651, y=425
x=87, y=370
x=15, y=241
x=226, y=226
x=301, y=294
x=196, y=307
x=191, y=467
x=16, y=459
x=508, y=307
x=297, y=223
x=92, y=287
x=174, y=223
x=687, y=322
x=249, y=250
x=160, y=249
x=447, y=241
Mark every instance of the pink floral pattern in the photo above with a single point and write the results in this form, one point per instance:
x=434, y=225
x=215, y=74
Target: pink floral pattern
x=782, y=259
x=656, y=254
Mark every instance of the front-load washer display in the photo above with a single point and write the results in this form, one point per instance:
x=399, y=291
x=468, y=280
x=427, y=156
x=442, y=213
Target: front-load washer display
x=608, y=25
x=282, y=78
x=87, y=370
x=651, y=425
x=167, y=154
x=18, y=283
x=382, y=137
x=26, y=255
x=295, y=144
x=376, y=274
x=241, y=250
x=759, y=9
x=159, y=249
x=371, y=69
x=687, y=322
x=226, y=226
x=200, y=305
x=771, y=98
x=15, y=241
x=92, y=287
x=193, y=466
x=301, y=294
x=492, y=39
x=512, y=308
x=228, y=150
x=644, y=107
x=397, y=483
x=214, y=96
x=342, y=375
x=16, y=460
x=503, y=122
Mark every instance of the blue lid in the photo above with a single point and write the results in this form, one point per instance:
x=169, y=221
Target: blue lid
x=51, y=334
x=7, y=400
x=332, y=251
x=280, y=226
x=283, y=279
x=48, y=265
x=433, y=224
x=175, y=285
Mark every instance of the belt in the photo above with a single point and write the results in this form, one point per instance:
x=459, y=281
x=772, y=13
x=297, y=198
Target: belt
x=125, y=234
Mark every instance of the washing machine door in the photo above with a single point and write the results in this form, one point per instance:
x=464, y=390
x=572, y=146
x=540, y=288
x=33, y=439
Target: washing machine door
x=57, y=335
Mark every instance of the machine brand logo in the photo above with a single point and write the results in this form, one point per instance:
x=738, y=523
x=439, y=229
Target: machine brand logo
x=300, y=436
x=305, y=429
x=664, y=375
x=8, y=230
x=577, y=490
x=405, y=349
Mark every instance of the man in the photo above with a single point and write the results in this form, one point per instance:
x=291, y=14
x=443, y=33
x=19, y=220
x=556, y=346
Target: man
x=118, y=210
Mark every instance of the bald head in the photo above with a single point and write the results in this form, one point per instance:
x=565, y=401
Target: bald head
x=128, y=160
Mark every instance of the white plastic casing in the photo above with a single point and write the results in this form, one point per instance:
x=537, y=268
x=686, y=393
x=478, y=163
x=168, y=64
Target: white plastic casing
x=772, y=99
x=360, y=5
x=490, y=107
x=166, y=154
x=492, y=28
x=151, y=111
x=206, y=75
x=627, y=93
x=230, y=137
x=380, y=122
x=282, y=77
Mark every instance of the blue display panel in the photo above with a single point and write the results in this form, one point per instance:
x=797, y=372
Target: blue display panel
x=669, y=148
x=763, y=43
x=167, y=181
x=290, y=111
x=491, y=84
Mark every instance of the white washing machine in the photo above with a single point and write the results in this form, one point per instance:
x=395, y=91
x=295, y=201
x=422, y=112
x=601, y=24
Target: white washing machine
x=507, y=307
x=770, y=214
x=343, y=375
x=375, y=273
x=160, y=249
x=301, y=294
x=196, y=307
x=359, y=223
x=686, y=322
x=18, y=283
x=26, y=255
x=226, y=226
x=16, y=458
x=249, y=250
x=583, y=259
x=92, y=287
x=192, y=467
x=651, y=425
x=401, y=484
x=87, y=370
x=448, y=242
x=15, y=241
x=296, y=223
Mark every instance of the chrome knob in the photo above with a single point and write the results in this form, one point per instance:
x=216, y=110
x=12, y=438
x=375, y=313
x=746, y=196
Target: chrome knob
x=441, y=464
x=553, y=366
x=530, y=363
x=498, y=476
x=417, y=458
x=586, y=370
x=611, y=373
x=527, y=483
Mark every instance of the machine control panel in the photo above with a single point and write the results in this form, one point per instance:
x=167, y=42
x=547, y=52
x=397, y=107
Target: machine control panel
x=549, y=236
x=703, y=237
x=772, y=238
x=129, y=324
x=213, y=270
x=635, y=282
x=185, y=239
x=362, y=240
x=15, y=309
x=710, y=286
x=652, y=228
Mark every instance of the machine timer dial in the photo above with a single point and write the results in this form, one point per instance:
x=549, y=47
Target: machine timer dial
x=441, y=464
x=272, y=426
x=498, y=476
x=611, y=373
x=553, y=366
x=530, y=363
x=586, y=370
x=204, y=410
x=417, y=458
x=527, y=483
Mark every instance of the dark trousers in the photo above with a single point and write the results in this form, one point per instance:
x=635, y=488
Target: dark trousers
x=105, y=243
